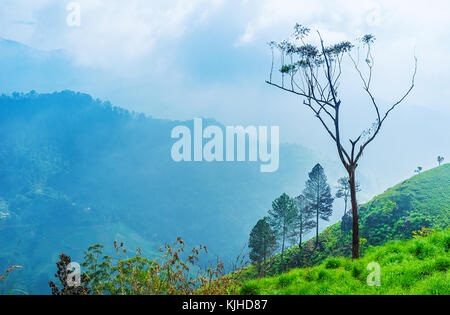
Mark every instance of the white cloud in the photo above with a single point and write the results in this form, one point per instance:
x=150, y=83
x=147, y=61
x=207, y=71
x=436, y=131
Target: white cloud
x=127, y=30
x=111, y=32
x=351, y=16
x=127, y=36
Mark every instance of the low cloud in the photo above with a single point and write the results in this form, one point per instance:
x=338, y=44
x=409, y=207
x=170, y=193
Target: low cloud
x=110, y=32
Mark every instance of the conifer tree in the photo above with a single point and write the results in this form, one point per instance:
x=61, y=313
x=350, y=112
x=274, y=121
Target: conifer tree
x=318, y=195
x=304, y=221
x=262, y=243
x=282, y=218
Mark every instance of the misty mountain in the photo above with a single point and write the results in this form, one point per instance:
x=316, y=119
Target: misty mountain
x=75, y=171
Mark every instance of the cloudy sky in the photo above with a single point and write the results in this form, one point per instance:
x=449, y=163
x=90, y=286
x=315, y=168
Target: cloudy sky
x=182, y=59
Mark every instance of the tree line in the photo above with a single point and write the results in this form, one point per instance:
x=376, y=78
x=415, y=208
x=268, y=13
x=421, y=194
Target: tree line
x=291, y=218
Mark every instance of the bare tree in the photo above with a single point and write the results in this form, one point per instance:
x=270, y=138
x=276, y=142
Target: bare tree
x=315, y=74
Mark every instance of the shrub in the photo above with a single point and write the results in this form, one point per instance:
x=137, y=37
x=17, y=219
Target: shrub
x=322, y=275
x=422, y=250
x=285, y=280
x=332, y=263
x=249, y=289
x=170, y=274
x=357, y=270
x=447, y=243
x=62, y=276
x=442, y=264
x=308, y=275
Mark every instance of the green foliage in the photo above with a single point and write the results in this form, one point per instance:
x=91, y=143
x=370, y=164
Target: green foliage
x=262, y=242
x=368, y=39
x=285, y=280
x=332, y=263
x=282, y=219
x=97, y=269
x=304, y=221
x=172, y=273
x=249, y=289
x=414, y=267
x=318, y=195
x=418, y=205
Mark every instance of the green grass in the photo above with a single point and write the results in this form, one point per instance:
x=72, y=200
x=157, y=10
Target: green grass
x=421, y=201
x=414, y=267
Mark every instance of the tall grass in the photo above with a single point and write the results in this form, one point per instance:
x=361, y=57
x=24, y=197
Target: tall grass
x=415, y=267
x=174, y=272
x=6, y=282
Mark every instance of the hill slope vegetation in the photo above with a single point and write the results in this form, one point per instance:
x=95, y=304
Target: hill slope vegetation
x=422, y=201
x=414, y=267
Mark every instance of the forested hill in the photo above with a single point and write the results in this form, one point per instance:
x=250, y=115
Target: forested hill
x=75, y=171
x=421, y=201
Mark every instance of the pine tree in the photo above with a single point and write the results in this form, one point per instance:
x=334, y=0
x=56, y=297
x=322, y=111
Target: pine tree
x=262, y=243
x=304, y=221
x=318, y=195
x=282, y=220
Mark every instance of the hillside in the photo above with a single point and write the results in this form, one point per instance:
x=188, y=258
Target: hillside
x=75, y=171
x=414, y=267
x=421, y=201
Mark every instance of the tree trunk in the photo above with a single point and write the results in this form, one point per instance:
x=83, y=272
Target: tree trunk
x=282, y=254
x=300, y=232
x=300, y=242
x=317, y=228
x=264, y=263
x=345, y=206
x=300, y=249
x=355, y=239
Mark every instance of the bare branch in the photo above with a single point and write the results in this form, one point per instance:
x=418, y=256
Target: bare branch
x=380, y=122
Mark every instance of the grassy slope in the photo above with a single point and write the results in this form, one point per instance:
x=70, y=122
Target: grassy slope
x=418, y=266
x=421, y=201
x=428, y=194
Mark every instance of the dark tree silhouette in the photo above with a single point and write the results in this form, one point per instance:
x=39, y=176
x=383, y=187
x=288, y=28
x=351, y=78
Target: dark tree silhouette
x=440, y=160
x=315, y=74
x=262, y=243
x=282, y=220
x=418, y=170
x=318, y=196
x=343, y=191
